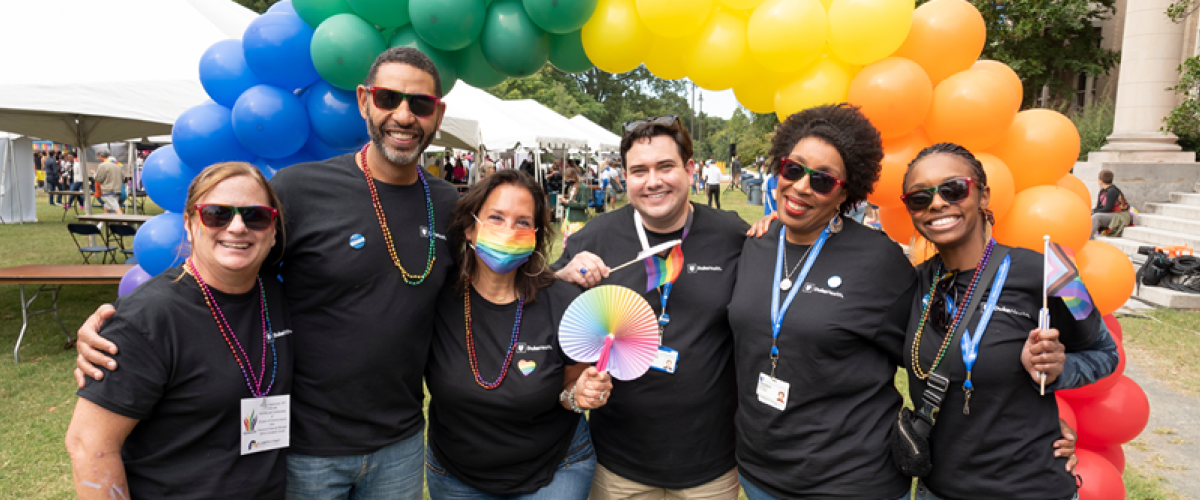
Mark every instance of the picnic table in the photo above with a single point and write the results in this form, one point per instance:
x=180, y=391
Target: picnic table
x=51, y=278
x=127, y=218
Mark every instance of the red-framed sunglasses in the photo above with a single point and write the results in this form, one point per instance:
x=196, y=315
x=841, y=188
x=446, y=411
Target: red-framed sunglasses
x=820, y=182
x=255, y=218
x=387, y=99
x=952, y=191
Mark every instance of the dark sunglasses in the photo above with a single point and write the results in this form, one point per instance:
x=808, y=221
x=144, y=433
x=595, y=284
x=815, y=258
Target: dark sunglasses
x=387, y=99
x=667, y=120
x=952, y=191
x=820, y=182
x=942, y=306
x=218, y=216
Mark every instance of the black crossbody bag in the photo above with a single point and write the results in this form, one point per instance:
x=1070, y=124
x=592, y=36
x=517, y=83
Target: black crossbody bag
x=910, y=437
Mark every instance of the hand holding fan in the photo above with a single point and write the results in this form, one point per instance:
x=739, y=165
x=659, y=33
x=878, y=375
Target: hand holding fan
x=613, y=327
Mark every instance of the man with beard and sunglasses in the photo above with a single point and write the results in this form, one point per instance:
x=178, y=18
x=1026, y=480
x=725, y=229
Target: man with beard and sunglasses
x=668, y=434
x=365, y=258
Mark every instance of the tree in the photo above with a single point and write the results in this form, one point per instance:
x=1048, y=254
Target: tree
x=552, y=89
x=1047, y=41
x=259, y=6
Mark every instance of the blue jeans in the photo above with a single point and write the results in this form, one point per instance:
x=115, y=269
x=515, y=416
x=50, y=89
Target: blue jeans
x=755, y=493
x=572, y=479
x=75, y=186
x=923, y=493
x=392, y=472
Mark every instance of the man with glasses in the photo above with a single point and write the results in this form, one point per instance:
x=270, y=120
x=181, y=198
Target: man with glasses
x=365, y=257
x=670, y=432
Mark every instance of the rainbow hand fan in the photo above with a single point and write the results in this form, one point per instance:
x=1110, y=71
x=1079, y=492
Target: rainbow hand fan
x=613, y=327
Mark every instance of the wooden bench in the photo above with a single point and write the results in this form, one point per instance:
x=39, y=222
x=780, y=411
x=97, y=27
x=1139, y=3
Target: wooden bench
x=51, y=278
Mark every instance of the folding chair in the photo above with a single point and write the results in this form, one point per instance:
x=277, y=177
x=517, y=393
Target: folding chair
x=105, y=250
x=118, y=233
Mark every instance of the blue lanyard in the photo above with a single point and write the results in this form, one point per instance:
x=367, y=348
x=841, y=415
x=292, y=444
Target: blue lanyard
x=778, y=312
x=970, y=343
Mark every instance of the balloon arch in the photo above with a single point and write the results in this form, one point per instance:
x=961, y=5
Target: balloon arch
x=284, y=94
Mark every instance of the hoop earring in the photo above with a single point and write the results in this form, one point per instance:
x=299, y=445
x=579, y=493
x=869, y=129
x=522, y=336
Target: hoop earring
x=545, y=266
x=835, y=225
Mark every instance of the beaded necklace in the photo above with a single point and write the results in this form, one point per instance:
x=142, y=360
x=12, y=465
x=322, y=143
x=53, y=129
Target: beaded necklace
x=471, y=343
x=254, y=383
x=410, y=279
x=958, y=316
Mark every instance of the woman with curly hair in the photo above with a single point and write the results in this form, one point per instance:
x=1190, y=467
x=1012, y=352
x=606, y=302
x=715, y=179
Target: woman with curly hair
x=819, y=315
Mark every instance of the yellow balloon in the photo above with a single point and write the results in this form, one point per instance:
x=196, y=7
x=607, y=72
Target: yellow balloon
x=826, y=3
x=864, y=31
x=614, y=38
x=826, y=82
x=674, y=18
x=742, y=4
x=787, y=35
x=718, y=58
x=667, y=57
x=756, y=91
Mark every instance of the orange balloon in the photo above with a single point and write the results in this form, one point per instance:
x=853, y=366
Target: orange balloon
x=897, y=154
x=1045, y=210
x=1107, y=275
x=972, y=109
x=947, y=36
x=1005, y=72
x=1000, y=180
x=897, y=224
x=894, y=93
x=1073, y=183
x=1040, y=147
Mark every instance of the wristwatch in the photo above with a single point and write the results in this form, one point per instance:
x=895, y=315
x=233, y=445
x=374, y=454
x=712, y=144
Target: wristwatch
x=569, y=395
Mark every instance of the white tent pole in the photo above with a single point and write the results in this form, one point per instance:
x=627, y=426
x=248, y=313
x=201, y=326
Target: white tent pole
x=132, y=175
x=8, y=145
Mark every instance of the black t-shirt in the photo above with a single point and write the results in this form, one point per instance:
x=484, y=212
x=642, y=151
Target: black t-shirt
x=362, y=333
x=1005, y=448
x=179, y=378
x=673, y=430
x=838, y=348
x=510, y=439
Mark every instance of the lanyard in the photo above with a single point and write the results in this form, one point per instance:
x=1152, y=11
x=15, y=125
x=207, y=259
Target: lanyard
x=777, y=311
x=665, y=292
x=970, y=343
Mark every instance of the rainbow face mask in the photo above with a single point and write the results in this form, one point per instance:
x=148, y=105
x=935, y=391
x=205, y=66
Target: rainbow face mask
x=503, y=249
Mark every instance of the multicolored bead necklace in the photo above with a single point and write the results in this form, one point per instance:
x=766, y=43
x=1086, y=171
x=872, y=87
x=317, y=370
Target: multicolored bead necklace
x=471, y=343
x=254, y=383
x=409, y=278
x=958, y=316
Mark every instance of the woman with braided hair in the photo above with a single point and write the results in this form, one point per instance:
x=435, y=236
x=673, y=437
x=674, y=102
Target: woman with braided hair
x=973, y=347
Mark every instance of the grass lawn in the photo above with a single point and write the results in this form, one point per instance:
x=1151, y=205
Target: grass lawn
x=1167, y=342
x=38, y=395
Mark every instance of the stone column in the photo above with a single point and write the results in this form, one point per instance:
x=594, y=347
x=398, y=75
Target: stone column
x=1150, y=54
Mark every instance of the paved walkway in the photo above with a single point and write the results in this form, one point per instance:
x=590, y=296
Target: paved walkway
x=1175, y=449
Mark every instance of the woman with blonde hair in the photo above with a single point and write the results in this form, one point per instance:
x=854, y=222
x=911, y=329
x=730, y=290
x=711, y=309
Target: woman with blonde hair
x=199, y=408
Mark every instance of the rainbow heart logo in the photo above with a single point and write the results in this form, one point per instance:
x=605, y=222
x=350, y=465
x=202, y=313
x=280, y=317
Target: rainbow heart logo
x=526, y=366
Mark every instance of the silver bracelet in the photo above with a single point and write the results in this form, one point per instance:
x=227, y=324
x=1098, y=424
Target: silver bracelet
x=574, y=407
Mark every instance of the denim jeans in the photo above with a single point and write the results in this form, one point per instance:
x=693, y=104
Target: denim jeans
x=572, y=479
x=755, y=493
x=923, y=493
x=392, y=472
x=76, y=186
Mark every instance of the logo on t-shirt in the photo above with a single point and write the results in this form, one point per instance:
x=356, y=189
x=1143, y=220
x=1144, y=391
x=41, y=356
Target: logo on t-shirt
x=273, y=336
x=523, y=348
x=1013, y=312
x=809, y=287
x=425, y=233
x=694, y=268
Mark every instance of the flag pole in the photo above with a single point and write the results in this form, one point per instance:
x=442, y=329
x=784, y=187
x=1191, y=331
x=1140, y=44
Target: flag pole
x=1044, y=314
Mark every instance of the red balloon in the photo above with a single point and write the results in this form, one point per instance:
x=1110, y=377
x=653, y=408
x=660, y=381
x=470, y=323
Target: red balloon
x=1100, y=387
x=1114, y=454
x=1114, y=418
x=1114, y=328
x=1100, y=479
x=1067, y=414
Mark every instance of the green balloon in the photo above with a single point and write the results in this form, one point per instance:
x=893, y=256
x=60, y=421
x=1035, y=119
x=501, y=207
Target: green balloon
x=448, y=24
x=382, y=13
x=474, y=69
x=446, y=62
x=566, y=53
x=315, y=12
x=343, y=49
x=560, y=16
x=512, y=42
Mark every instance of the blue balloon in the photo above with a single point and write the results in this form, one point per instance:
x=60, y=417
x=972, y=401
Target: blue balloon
x=224, y=72
x=167, y=178
x=133, y=278
x=277, y=164
x=334, y=117
x=203, y=135
x=161, y=243
x=284, y=7
x=277, y=50
x=270, y=121
x=321, y=151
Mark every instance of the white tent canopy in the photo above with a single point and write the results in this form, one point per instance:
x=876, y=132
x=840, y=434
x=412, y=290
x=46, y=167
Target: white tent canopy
x=503, y=127
x=604, y=139
x=549, y=118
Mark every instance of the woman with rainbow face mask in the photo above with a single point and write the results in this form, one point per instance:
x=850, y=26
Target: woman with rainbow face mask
x=505, y=415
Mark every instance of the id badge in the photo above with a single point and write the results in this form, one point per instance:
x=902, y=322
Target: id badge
x=666, y=360
x=772, y=391
x=265, y=422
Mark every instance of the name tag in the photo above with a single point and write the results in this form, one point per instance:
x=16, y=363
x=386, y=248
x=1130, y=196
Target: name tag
x=264, y=424
x=772, y=391
x=666, y=360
